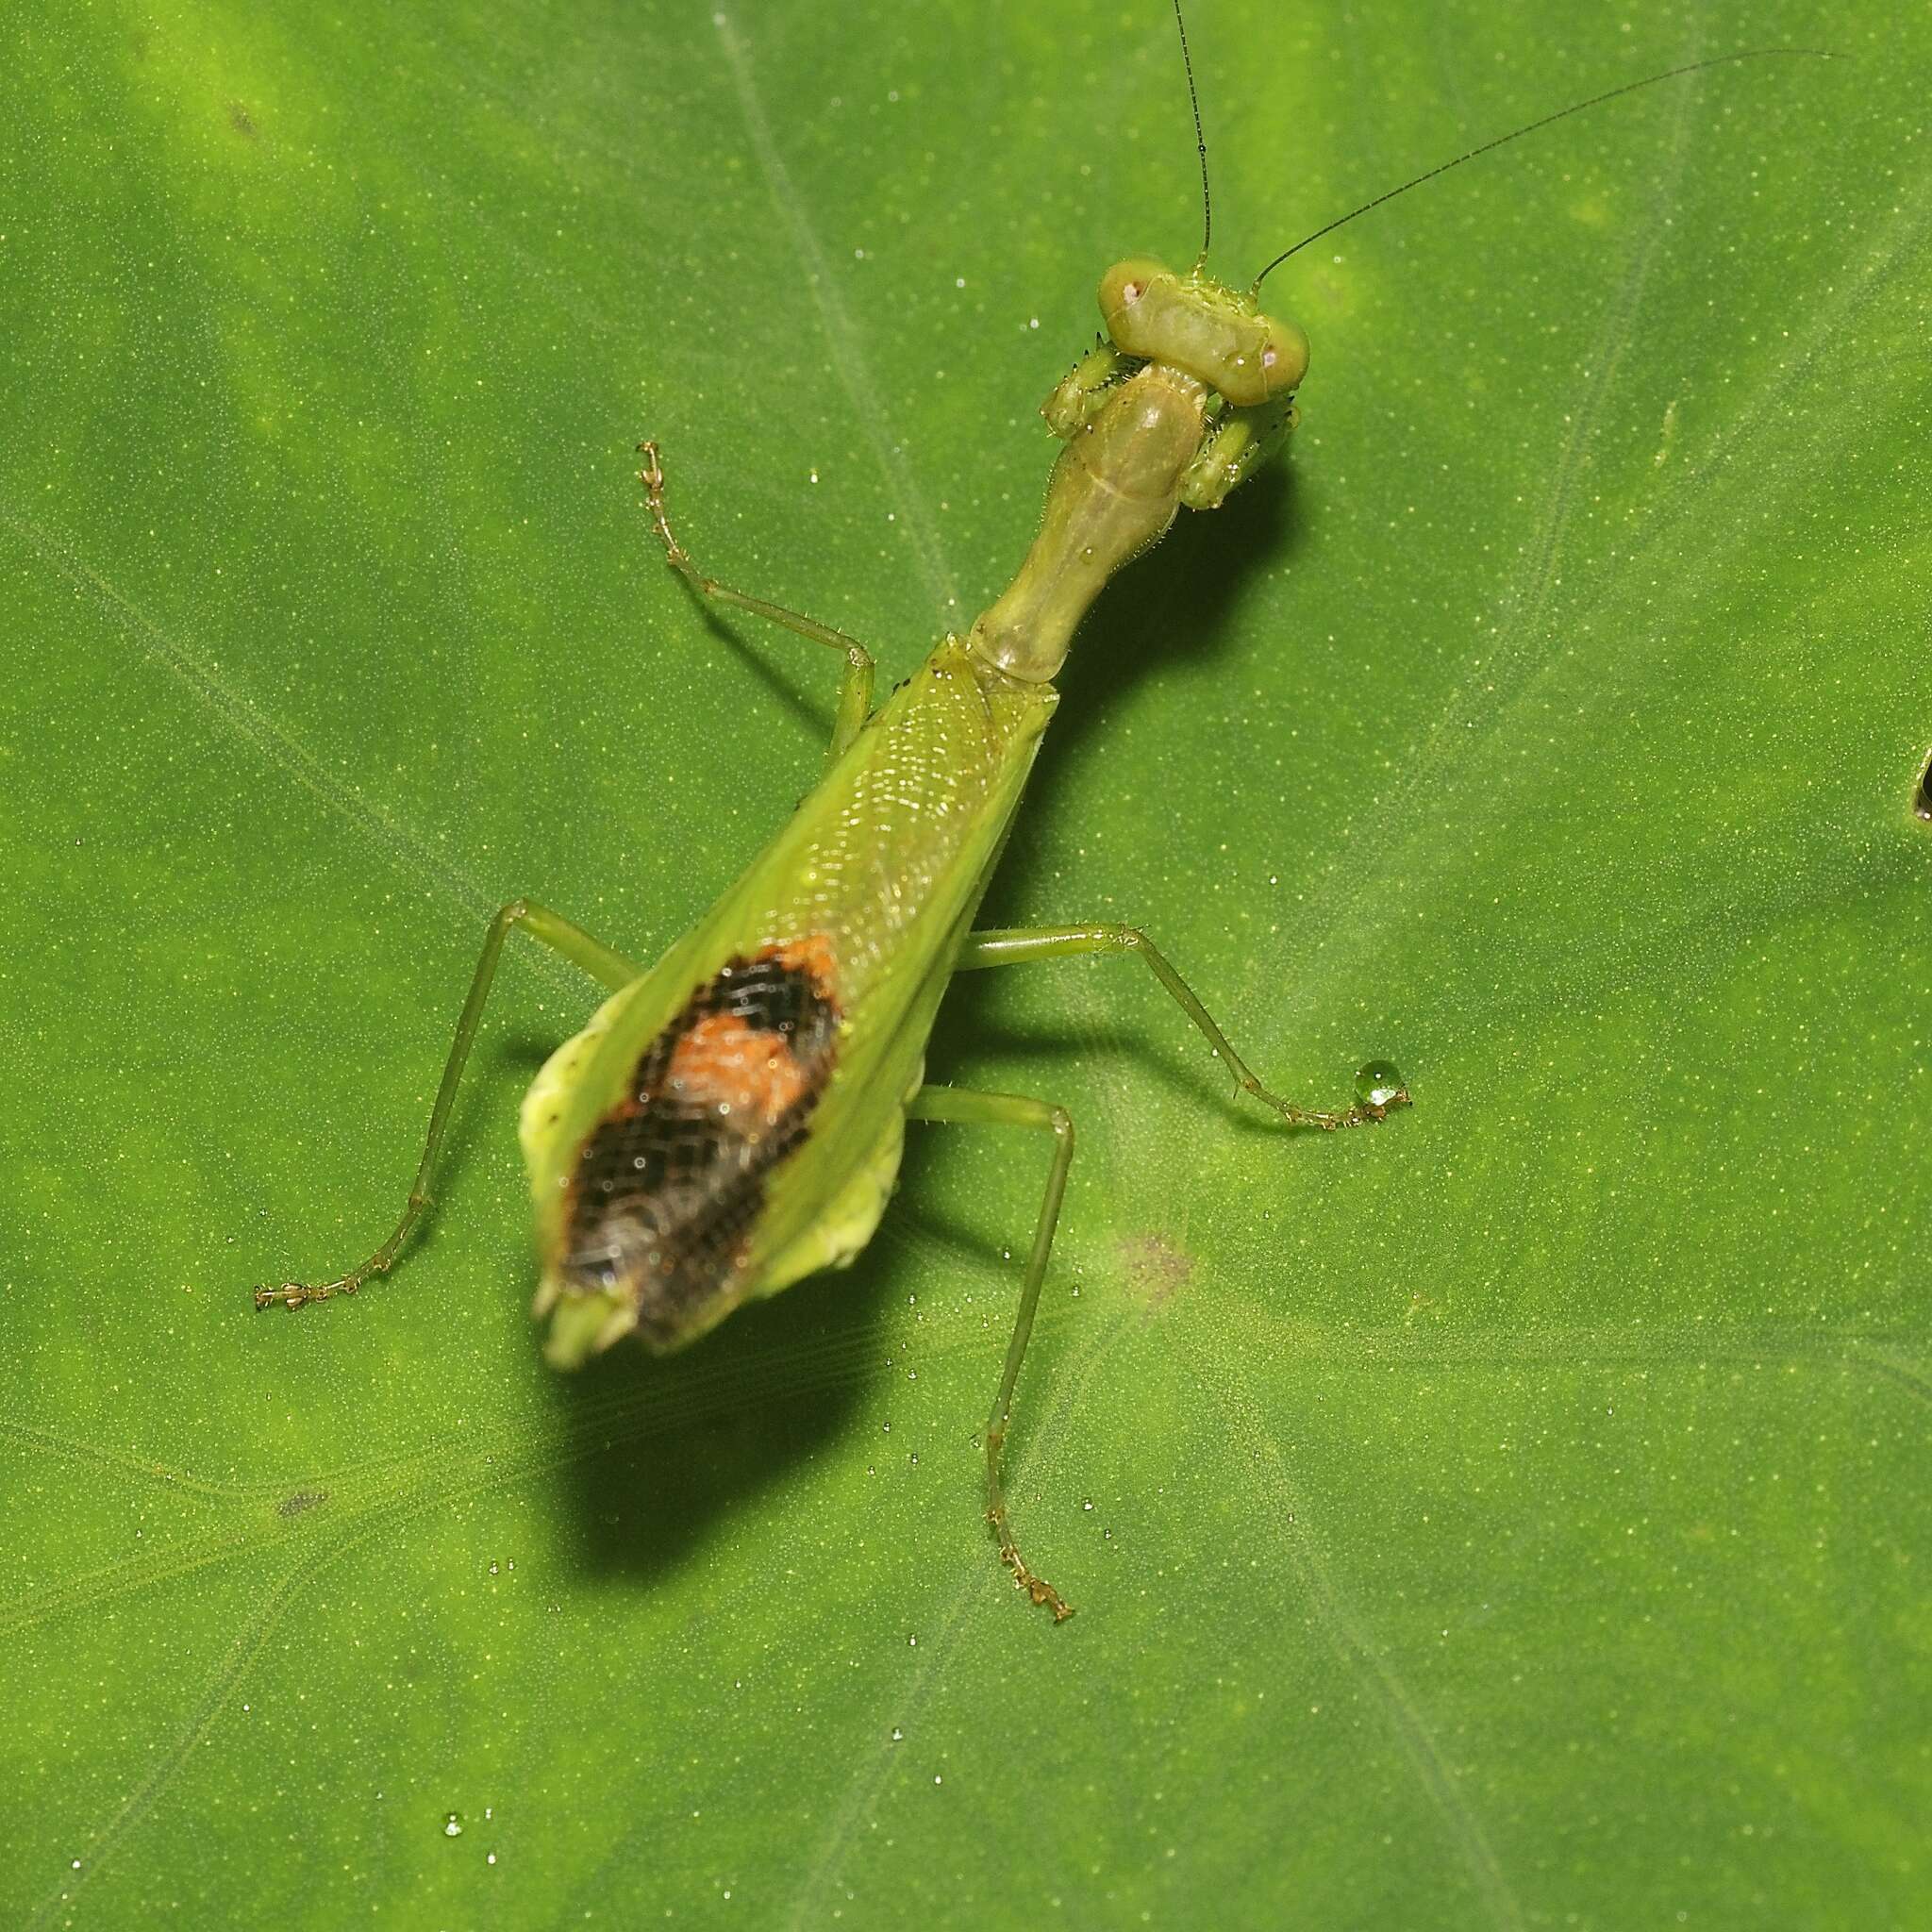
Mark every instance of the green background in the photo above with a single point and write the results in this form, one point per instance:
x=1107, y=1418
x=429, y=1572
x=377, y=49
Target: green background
x=1510, y=1517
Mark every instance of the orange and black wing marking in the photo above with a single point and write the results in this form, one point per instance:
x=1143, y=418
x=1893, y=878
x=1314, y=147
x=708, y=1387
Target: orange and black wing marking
x=668, y=1184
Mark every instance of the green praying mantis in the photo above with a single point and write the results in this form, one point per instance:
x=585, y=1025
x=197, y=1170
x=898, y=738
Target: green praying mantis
x=732, y=1118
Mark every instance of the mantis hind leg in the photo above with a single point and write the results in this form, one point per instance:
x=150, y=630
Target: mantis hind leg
x=1381, y=1089
x=555, y=932
x=956, y=1105
x=854, y=689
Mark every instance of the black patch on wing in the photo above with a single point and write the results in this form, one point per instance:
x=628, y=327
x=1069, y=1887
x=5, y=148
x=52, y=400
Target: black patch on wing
x=670, y=1183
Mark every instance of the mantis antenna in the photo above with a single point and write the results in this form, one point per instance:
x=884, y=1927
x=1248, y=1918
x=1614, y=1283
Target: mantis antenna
x=1200, y=139
x=1629, y=86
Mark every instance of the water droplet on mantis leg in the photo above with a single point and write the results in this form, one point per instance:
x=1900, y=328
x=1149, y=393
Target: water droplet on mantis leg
x=1379, y=1084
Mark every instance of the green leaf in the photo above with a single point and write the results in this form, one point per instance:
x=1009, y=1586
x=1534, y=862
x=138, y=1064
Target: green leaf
x=1511, y=1516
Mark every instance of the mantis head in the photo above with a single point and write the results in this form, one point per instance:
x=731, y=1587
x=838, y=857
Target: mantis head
x=1216, y=334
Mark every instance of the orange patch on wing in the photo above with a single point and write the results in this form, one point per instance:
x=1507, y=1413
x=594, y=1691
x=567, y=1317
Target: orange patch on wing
x=813, y=956
x=722, y=1061
x=668, y=1186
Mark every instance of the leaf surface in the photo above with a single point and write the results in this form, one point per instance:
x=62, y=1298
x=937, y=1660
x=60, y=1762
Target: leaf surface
x=1512, y=1516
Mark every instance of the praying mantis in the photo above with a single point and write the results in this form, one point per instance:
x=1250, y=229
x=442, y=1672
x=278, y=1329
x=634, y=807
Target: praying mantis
x=732, y=1118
